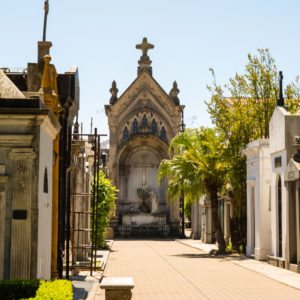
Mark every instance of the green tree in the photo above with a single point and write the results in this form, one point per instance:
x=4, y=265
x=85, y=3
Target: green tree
x=292, y=92
x=196, y=169
x=241, y=111
x=106, y=196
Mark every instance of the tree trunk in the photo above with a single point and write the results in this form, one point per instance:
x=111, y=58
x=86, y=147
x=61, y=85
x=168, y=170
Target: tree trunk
x=216, y=222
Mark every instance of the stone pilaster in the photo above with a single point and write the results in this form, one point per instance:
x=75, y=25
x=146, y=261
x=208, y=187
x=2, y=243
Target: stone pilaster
x=21, y=212
x=3, y=182
x=55, y=181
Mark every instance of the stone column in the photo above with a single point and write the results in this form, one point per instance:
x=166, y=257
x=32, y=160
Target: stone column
x=208, y=230
x=195, y=221
x=20, y=260
x=174, y=217
x=226, y=221
x=3, y=182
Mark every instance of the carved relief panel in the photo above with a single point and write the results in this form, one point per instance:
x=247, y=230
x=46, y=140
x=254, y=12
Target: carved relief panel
x=21, y=212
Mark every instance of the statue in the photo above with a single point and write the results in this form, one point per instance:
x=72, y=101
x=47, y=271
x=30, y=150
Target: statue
x=174, y=93
x=114, y=92
x=154, y=202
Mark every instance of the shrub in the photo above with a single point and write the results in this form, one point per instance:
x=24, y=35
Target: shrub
x=54, y=290
x=106, y=196
x=18, y=289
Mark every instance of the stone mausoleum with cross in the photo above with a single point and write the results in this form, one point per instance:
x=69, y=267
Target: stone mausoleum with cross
x=142, y=121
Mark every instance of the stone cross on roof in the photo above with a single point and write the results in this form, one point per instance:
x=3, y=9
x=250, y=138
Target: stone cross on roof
x=144, y=46
x=280, y=100
x=46, y=8
x=144, y=62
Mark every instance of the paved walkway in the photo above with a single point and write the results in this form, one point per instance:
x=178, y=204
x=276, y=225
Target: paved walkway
x=171, y=270
x=282, y=275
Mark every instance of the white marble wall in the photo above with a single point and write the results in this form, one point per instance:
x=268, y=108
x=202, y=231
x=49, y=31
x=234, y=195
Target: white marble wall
x=283, y=127
x=44, y=206
x=258, y=199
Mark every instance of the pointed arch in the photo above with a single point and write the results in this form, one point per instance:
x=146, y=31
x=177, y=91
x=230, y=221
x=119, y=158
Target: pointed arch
x=163, y=134
x=154, y=127
x=135, y=126
x=144, y=121
x=125, y=136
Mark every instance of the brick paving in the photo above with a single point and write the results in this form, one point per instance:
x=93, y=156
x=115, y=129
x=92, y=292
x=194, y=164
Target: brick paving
x=164, y=270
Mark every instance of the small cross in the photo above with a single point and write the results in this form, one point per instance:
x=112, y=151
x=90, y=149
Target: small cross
x=280, y=100
x=144, y=46
x=280, y=85
x=143, y=167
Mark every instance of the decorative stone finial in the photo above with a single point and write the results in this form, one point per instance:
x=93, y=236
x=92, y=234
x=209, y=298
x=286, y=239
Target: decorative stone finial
x=46, y=79
x=49, y=87
x=280, y=100
x=174, y=93
x=114, y=92
x=144, y=62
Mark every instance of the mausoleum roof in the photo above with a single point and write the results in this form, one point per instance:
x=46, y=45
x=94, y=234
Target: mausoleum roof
x=8, y=89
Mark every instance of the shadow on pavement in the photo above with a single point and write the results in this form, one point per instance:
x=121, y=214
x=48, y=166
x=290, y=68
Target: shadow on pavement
x=79, y=293
x=133, y=238
x=206, y=255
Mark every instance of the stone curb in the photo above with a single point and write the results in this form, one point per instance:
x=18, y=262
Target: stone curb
x=96, y=278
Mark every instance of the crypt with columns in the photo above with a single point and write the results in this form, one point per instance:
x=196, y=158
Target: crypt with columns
x=142, y=121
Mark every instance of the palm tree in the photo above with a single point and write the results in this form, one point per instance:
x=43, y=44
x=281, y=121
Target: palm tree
x=196, y=168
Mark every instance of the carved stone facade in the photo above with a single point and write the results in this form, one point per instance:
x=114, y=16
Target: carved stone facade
x=142, y=121
x=26, y=150
x=273, y=196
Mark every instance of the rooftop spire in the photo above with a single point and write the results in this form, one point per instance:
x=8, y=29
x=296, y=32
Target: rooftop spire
x=46, y=9
x=280, y=100
x=144, y=62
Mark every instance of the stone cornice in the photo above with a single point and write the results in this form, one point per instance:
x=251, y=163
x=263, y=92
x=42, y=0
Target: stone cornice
x=15, y=140
x=46, y=120
x=22, y=153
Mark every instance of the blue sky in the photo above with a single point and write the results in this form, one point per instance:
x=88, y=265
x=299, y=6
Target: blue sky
x=189, y=36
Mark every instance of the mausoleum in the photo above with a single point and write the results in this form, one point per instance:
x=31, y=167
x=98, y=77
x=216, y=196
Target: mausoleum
x=142, y=121
x=273, y=216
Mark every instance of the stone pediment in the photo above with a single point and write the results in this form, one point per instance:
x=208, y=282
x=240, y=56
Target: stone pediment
x=143, y=90
x=292, y=171
x=8, y=89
